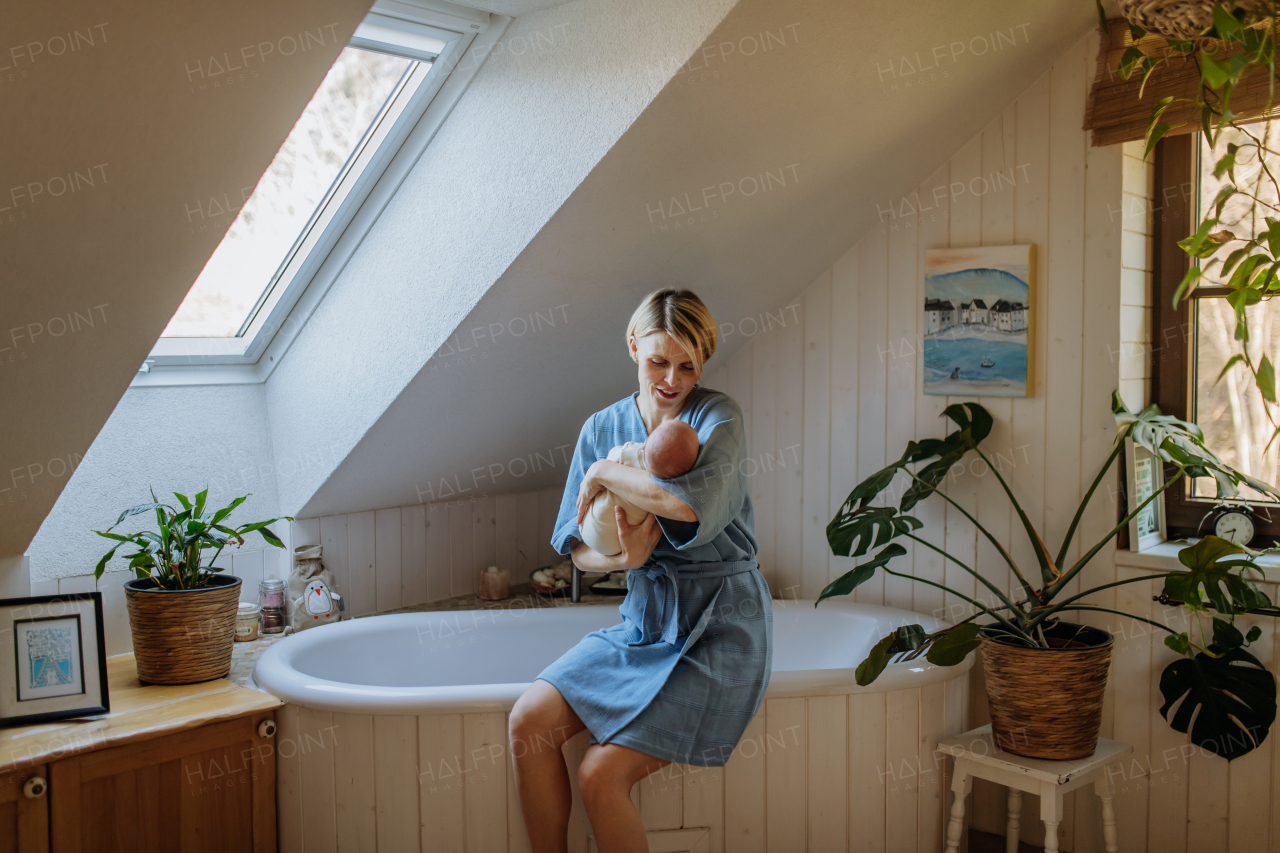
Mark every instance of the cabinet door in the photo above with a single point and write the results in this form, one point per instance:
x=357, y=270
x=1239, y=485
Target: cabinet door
x=207, y=789
x=24, y=815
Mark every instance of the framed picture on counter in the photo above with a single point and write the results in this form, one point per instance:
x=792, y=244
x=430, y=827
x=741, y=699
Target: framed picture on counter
x=56, y=665
x=1144, y=475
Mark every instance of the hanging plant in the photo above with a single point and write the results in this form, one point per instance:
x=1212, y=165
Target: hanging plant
x=1237, y=242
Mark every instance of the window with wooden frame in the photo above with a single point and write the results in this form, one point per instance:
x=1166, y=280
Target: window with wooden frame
x=1192, y=343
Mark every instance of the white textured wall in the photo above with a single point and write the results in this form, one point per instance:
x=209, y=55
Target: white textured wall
x=170, y=438
x=525, y=134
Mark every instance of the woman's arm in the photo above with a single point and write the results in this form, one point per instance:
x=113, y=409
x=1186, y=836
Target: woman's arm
x=633, y=485
x=638, y=542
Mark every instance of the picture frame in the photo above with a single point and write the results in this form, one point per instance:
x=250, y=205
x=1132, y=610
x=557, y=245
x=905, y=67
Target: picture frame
x=56, y=665
x=978, y=326
x=1144, y=475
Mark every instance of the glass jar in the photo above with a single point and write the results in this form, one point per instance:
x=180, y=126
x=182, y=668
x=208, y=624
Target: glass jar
x=272, y=620
x=271, y=593
x=247, y=622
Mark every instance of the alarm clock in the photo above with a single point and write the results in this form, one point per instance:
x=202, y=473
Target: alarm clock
x=1234, y=523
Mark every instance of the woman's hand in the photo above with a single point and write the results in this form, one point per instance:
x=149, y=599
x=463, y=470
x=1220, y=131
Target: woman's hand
x=590, y=487
x=638, y=540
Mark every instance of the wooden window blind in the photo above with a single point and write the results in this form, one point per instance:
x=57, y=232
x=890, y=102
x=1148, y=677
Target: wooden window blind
x=1114, y=111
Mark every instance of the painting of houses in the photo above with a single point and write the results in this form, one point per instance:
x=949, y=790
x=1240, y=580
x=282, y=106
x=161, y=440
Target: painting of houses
x=978, y=321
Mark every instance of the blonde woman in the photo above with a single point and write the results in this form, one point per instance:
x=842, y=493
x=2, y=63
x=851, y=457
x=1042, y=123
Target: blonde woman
x=686, y=671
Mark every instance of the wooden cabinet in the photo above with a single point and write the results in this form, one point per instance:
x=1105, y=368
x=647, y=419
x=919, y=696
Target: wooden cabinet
x=24, y=815
x=198, y=791
x=189, y=768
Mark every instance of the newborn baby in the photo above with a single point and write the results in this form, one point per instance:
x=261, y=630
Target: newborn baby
x=671, y=450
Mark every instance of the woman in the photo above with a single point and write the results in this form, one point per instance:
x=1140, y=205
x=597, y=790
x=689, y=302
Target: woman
x=686, y=671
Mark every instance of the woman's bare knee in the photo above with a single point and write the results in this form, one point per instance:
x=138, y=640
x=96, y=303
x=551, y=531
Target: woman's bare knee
x=609, y=768
x=541, y=721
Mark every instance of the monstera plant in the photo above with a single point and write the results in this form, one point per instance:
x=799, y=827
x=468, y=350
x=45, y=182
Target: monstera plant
x=1235, y=696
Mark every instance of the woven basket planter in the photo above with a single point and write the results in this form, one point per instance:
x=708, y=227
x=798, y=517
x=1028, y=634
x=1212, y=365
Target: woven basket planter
x=1183, y=19
x=183, y=636
x=1047, y=703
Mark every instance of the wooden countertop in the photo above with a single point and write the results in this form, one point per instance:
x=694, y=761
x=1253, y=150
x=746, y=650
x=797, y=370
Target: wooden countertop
x=138, y=712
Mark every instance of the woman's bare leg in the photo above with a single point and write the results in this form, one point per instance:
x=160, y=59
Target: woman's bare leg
x=605, y=778
x=541, y=722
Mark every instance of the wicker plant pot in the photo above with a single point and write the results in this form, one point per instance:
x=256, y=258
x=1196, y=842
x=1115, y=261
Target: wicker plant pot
x=183, y=636
x=1047, y=703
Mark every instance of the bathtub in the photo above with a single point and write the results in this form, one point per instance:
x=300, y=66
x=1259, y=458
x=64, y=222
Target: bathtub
x=393, y=737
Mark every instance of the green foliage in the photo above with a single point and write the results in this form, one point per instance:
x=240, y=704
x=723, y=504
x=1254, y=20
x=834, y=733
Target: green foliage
x=1226, y=591
x=171, y=553
x=904, y=639
x=1216, y=576
x=1239, y=44
x=1223, y=695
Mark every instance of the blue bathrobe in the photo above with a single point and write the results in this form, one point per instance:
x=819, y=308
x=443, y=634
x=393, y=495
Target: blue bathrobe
x=684, y=674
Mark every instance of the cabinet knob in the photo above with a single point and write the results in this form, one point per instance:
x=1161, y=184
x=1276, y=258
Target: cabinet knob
x=267, y=728
x=35, y=787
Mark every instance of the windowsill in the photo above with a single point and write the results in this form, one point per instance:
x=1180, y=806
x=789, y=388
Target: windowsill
x=1164, y=558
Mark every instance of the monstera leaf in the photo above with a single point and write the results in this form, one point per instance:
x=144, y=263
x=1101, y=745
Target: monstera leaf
x=954, y=646
x=1181, y=443
x=974, y=421
x=870, y=527
x=905, y=639
x=1227, y=591
x=859, y=575
x=1231, y=697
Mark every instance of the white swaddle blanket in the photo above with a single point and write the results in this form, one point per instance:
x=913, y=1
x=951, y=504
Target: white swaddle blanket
x=599, y=527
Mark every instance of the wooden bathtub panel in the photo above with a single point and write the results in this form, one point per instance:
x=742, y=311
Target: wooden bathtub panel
x=395, y=750
x=786, y=742
x=288, y=780
x=704, y=803
x=440, y=783
x=353, y=782
x=828, y=769
x=319, y=834
x=744, y=785
x=933, y=716
x=484, y=744
x=902, y=726
x=662, y=798
x=866, y=763
x=825, y=773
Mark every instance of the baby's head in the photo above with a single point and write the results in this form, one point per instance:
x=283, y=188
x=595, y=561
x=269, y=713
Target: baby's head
x=671, y=450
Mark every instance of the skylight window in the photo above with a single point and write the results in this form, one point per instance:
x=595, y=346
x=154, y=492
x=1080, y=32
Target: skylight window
x=305, y=173
x=377, y=109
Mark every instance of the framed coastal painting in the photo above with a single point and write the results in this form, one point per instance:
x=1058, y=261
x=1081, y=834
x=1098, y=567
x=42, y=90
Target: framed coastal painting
x=56, y=666
x=979, y=309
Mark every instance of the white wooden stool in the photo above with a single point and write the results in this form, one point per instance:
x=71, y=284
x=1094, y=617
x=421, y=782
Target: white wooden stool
x=977, y=755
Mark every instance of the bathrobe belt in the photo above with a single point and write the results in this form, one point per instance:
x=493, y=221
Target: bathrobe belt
x=659, y=617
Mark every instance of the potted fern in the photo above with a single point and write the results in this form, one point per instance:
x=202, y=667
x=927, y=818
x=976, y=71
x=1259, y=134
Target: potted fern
x=1045, y=675
x=182, y=609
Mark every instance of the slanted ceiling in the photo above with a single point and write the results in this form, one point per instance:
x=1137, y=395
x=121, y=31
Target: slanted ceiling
x=120, y=117
x=796, y=129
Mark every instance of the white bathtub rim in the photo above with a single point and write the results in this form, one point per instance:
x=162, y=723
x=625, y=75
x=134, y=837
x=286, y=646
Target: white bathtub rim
x=274, y=674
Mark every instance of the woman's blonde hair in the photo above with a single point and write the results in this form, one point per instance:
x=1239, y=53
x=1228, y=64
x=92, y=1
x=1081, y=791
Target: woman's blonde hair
x=683, y=316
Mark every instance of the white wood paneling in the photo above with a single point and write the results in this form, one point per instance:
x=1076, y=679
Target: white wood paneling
x=354, y=780
x=362, y=595
x=395, y=748
x=413, y=556
x=387, y=554
x=823, y=773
